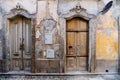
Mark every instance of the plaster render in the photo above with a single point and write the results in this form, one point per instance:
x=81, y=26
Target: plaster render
x=107, y=38
x=42, y=11
x=107, y=54
x=103, y=32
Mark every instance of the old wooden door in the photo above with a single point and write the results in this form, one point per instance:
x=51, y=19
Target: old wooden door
x=20, y=43
x=77, y=45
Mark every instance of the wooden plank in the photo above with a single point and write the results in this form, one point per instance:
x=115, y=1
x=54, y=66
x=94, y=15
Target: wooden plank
x=82, y=25
x=71, y=63
x=48, y=66
x=53, y=70
x=82, y=44
x=71, y=43
x=27, y=64
x=41, y=70
x=42, y=64
x=54, y=64
x=77, y=24
x=82, y=63
x=72, y=25
x=16, y=64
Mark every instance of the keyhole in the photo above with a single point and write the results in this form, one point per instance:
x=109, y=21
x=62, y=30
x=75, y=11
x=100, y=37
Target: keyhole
x=70, y=47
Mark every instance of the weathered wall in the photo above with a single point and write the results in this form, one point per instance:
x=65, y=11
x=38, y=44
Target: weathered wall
x=107, y=41
x=48, y=19
x=106, y=26
x=1, y=32
x=106, y=29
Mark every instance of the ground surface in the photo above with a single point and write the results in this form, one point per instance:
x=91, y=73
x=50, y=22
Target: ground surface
x=57, y=76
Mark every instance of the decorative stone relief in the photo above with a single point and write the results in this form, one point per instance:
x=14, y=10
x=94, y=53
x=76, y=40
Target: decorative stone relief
x=77, y=8
x=49, y=24
x=47, y=36
x=19, y=10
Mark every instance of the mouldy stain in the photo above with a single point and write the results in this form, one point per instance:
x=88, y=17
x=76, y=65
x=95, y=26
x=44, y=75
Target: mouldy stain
x=106, y=47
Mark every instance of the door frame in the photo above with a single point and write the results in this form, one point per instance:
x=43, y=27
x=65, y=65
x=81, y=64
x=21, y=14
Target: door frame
x=92, y=36
x=13, y=13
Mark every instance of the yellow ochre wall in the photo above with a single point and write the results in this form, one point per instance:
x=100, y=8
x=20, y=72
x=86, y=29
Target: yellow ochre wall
x=106, y=43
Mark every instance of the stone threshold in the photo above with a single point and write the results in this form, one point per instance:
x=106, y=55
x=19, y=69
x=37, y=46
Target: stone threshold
x=56, y=74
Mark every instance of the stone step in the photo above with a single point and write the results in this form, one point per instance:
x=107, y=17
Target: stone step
x=59, y=77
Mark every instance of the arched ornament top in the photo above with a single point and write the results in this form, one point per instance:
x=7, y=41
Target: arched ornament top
x=20, y=11
x=78, y=11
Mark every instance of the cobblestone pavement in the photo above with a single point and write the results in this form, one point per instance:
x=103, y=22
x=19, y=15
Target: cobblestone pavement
x=80, y=77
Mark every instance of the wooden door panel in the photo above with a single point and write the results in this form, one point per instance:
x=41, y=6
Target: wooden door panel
x=82, y=63
x=13, y=38
x=54, y=64
x=27, y=64
x=82, y=25
x=77, y=24
x=71, y=63
x=82, y=42
x=71, y=43
x=16, y=64
x=27, y=36
x=72, y=25
x=26, y=44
